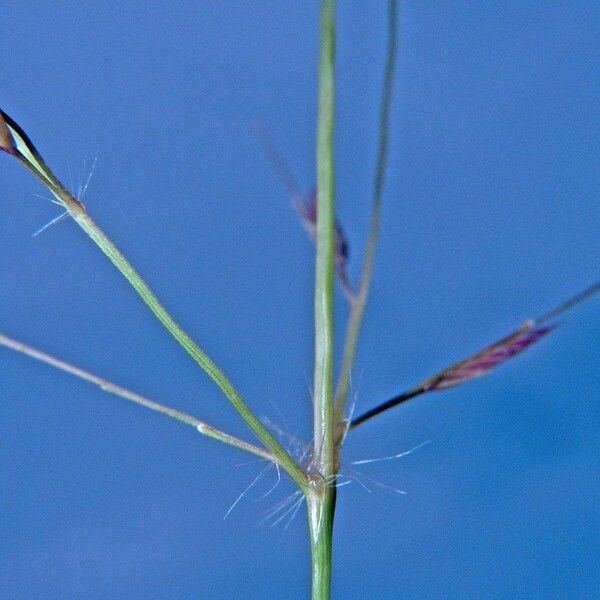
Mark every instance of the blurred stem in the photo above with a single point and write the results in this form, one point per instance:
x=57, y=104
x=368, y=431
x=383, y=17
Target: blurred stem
x=362, y=295
x=77, y=211
x=117, y=390
x=321, y=495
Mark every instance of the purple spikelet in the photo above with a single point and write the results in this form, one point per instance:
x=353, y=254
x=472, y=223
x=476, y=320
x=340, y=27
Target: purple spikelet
x=306, y=209
x=483, y=362
x=307, y=213
x=487, y=359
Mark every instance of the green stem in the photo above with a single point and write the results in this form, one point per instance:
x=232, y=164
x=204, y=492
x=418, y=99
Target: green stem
x=77, y=211
x=321, y=495
x=323, y=382
x=362, y=295
x=321, y=509
x=117, y=390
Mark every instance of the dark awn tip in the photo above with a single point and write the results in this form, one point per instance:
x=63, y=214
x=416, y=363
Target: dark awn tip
x=19, y=138
x=7, y=143
x=17, y=143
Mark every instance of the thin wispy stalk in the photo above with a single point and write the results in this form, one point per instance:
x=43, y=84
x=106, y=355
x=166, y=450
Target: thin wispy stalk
x=486, y=360
x=360, y=300
x=306, y=210
x=20, y=146
x=121, y=392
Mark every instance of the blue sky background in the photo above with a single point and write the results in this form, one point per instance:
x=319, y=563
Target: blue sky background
x=491, y=215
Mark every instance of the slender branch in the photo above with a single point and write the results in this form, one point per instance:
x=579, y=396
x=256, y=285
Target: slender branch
x=360, y=301
x=199, y=356
x=486, y=360
x=117, y=390
x=25, y=151
x=399, y=399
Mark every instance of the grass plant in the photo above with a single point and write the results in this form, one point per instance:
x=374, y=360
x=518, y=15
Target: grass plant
x=316, y=477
